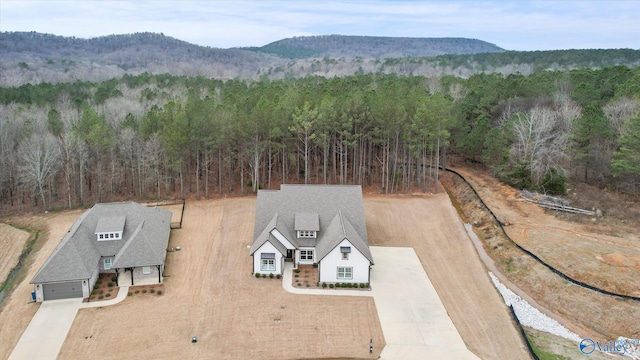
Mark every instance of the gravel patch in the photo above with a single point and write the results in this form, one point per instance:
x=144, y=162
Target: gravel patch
x=530, y=316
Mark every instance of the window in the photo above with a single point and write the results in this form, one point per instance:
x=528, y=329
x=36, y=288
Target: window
x=268, y=265
x=345, y=273
x=111, y=235
x=107, y=263
x=345, y=250
x=306, y=255
x=146, y=270
x=101, y=236
x=306, y=234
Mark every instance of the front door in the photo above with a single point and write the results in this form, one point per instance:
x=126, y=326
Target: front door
x=289, y=255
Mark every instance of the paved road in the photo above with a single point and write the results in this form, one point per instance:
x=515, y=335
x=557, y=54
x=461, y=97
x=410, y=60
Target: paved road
x=414, y=321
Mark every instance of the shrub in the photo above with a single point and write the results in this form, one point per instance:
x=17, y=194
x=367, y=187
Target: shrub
x=159, y=292
x=264, y=276
x=330, y=286
x=296, y=275
x=114, y=278
x=367, y=285
x=299, y=284
x=344, y=285
x=100, y=296
x=144, y=291
x=110, y=284
x=129, y=293
x=152, y=291
x=278, y=276
x=257, y=275
x=324, y=285
x=349, y=285
x=296, y=271
x=108, y=295
x=137, y=291
x=271, y=276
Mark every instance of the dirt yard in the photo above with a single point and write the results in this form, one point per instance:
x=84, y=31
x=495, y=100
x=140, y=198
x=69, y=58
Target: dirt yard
x=18, y=309
x=432, y=227
x=209, y=293
x=12, y=242
x=587, y=250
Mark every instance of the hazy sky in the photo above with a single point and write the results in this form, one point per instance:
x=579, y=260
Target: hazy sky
x=513, y=25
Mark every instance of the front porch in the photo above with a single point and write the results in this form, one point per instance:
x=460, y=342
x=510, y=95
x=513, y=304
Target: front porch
x=124, y=279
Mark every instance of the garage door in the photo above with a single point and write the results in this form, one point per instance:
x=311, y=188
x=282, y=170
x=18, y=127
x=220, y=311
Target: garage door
x=64, y=290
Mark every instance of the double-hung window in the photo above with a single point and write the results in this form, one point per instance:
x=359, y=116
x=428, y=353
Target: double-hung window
x=345, y=273
x=268, y=262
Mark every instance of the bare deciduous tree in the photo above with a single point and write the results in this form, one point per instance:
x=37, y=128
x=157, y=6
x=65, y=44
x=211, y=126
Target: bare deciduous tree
x=38, y=162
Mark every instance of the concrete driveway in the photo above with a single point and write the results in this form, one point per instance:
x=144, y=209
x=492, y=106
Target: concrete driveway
x=43, y=338
x=414, y=321
x=47, y=330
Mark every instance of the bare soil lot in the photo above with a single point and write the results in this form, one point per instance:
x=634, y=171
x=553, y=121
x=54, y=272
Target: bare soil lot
x=12, y=242
x=209, y=293
x=18, y=309
x=574, y=247
x=432, y=227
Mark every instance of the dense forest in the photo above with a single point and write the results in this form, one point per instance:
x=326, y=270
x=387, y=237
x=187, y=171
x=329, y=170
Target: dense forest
x=34, y=58
x=165, y=136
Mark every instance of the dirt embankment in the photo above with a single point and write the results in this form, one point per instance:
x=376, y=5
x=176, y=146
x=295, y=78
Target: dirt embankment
x=586, y=312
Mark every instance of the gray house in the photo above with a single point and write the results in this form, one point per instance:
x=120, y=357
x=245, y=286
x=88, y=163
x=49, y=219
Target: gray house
x=319, y=225
x=127, y=239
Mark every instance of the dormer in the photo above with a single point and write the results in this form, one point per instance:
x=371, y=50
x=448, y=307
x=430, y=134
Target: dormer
x=110, y=228
x=306, y=225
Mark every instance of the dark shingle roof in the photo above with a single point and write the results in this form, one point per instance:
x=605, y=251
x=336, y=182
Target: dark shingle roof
x=145, y=237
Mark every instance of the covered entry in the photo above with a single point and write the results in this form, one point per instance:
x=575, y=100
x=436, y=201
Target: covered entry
x=63, y=290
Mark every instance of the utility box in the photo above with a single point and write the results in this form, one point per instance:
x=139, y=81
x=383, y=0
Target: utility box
x=33, y=295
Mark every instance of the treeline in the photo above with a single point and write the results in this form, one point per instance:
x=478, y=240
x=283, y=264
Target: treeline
x=157, y=136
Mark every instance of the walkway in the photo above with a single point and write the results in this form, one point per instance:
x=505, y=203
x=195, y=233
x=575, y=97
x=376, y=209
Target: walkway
x=414, y=321
x=43, y=338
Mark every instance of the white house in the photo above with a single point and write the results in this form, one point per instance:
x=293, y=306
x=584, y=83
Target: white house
x=126, y=239
x=319, y=225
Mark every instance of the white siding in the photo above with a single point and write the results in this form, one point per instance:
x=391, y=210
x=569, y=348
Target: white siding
x=358, y=262
x=267, y=247
x=282, y=239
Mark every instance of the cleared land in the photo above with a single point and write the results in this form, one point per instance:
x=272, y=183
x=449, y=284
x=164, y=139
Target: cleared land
x=573, y=246
x=432, y=227
x=18, y=309
x=210, y=293
x=12, y=243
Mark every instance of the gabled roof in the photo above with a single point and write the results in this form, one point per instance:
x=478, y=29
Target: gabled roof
x=146, y=236
x=282, y=209
x=339, y=230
